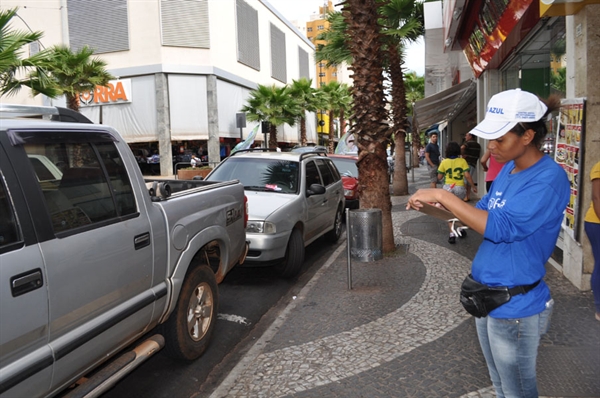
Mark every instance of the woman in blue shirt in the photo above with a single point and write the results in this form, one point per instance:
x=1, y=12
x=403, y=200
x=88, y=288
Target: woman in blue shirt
x=520, y=221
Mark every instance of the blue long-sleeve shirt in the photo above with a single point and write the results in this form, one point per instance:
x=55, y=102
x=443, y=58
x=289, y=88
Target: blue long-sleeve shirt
x=525, y=212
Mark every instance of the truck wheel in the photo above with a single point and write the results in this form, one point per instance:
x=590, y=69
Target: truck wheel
x=188, y=329
x=334, y=235
x=294, y=256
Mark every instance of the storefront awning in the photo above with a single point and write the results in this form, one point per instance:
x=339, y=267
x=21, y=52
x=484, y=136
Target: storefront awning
x=442, y=106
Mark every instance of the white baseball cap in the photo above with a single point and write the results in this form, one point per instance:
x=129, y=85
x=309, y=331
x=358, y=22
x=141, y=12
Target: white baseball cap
x=505, y=110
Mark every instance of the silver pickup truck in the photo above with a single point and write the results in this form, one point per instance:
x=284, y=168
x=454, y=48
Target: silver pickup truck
x=93, y=257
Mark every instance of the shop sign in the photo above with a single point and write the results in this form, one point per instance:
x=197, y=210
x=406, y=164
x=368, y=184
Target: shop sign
x=492, y=24
x=558, y=8
x=116, y=92
x=569, y=136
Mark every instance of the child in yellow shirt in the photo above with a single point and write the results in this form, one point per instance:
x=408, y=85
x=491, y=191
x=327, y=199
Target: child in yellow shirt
x=454, y=169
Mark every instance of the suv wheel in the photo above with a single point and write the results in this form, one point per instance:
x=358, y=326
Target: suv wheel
x=334, y=235
x=190, y=326
x=294, y=256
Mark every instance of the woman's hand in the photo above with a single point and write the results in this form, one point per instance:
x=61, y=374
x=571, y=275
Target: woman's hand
x=430, y=195
x=476, y=219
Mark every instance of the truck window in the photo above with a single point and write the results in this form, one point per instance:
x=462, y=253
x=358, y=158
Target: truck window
x=93, y=185
x=9, y=232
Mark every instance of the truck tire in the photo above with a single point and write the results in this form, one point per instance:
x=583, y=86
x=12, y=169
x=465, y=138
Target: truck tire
x=188, y=329
x=334, y=235
x=294, y=256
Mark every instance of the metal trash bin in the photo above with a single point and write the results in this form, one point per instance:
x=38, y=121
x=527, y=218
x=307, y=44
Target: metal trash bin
x=366, y=234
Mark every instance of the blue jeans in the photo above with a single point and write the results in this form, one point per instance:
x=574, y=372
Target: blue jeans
x=592, y=230
x=510, y=350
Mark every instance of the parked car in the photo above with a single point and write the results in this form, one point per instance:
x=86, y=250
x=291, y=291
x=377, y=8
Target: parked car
x=293, y=199
x=93, y=257
x=346, y=165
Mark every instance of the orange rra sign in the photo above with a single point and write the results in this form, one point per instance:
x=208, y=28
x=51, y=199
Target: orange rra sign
x=116, y=92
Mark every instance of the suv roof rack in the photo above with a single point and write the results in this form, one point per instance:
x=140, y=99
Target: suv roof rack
x=55, y=113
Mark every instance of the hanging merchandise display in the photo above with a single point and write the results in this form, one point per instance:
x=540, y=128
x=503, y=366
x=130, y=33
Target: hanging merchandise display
x=570, y=135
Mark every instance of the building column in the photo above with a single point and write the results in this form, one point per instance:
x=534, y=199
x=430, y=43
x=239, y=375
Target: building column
x=163, y=124
x=214, y=152
x=578, y=260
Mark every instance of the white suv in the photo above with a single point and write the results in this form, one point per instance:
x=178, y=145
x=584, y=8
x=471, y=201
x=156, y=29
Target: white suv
x=293, y=199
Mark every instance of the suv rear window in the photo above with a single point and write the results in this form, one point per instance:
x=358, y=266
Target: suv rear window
x=327, y=172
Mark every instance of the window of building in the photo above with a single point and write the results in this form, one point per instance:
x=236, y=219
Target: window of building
x=320, y=27
x=185, y=23
x=321, y=74
x=102, y=25
x=303, y=64
x=540, y=67
x=247, y=35
x=309, y=29
x=278, y=55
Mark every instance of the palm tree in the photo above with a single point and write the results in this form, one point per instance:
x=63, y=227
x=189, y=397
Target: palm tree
x=370, y=125
x=337, y=101
x=12, y=64
x=274, y=105
x=303, y=92
x=77, y=72
x=402, y=22
x=336, y=51
x=415, y=90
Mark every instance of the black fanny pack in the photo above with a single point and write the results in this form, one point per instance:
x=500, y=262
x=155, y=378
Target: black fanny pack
x=479, y=299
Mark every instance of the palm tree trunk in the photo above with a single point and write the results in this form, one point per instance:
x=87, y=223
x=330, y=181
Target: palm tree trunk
x=331, y=146
x=370, y=127
x=73, y=102
x=272, y=136
x=342, y=123
x=303, y=131
x=400, y=181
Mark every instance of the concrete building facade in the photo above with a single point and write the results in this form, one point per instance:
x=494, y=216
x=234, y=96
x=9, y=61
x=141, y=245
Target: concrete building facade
x=186, y=67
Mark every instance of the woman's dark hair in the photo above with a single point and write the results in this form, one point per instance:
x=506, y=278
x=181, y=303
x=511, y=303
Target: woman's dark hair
x=452, y=149
x=553, y=103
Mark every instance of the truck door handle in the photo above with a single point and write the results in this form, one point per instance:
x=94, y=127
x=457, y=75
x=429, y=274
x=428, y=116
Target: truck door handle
x=27, y=282
x=141, y=241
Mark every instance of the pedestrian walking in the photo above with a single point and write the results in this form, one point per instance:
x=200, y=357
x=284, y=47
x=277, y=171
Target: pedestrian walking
x=491, y=168
x=520, y=221
x=422, y=155
x=592, y=230
x=454, y=170
x=432, y=157
x=471, y=150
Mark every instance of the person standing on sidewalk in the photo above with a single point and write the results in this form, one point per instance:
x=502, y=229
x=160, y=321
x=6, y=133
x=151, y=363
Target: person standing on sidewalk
x=491, y=170
x=592, y=230
x=520, y=221
x=471, y=150
x=454, y=170
x=432, y=157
